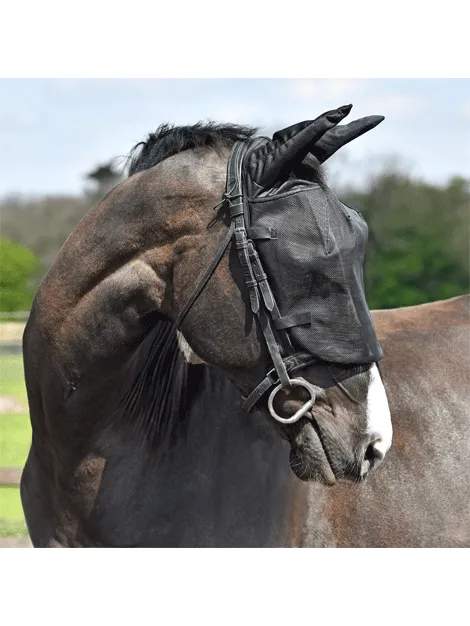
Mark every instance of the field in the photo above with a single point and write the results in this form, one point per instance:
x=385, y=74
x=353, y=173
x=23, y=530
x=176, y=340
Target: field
x=15, y=437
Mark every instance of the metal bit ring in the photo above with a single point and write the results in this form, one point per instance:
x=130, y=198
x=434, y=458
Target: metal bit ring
x=295, y=382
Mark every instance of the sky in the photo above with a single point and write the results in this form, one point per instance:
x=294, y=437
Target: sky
x=54, y=131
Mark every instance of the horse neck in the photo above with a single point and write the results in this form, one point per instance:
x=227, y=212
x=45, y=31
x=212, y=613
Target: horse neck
x=102, y=243
x=233, y=469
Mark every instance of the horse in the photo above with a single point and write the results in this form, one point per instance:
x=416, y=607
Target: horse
x=135, y=444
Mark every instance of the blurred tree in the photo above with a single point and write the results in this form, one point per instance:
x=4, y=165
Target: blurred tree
x=42, y=224
x=18, y=265
x=418, y=239
x=103, y=177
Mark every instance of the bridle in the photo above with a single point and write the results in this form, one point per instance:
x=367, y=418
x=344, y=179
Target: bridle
x=262, y=302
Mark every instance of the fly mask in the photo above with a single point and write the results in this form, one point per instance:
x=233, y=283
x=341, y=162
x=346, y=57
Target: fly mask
x=302, y=253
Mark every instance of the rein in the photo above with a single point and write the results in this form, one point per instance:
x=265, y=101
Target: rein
x=262, y=302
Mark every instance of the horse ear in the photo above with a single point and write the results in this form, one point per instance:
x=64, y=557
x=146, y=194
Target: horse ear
x=339, y=136
x=291, y=144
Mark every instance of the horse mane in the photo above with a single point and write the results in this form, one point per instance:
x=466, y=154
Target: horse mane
x=157, y=400
x=169, y=140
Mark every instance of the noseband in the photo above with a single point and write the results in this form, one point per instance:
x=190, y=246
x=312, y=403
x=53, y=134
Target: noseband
x=262, y=302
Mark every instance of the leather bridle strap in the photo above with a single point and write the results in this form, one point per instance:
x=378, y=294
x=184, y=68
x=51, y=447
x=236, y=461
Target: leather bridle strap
x=255, y=278
x=205, y=277
x=293, y=363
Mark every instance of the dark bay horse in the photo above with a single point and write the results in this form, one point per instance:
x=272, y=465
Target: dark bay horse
x=134, y=445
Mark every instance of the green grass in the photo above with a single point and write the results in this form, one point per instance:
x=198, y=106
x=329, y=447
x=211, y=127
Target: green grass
x=12, y=378
x=15, y=439
x=10, y=504
x=13, y=528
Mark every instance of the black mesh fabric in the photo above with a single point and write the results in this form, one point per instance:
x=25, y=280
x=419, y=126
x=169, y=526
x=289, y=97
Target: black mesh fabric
x=314, y=265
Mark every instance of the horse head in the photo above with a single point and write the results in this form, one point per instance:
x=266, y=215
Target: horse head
x=290, y=285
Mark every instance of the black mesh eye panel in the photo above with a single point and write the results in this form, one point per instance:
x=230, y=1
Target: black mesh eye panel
x=315, y=266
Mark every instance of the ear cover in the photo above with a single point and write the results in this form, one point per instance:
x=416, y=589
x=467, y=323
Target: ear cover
x=321, y=137
x=291, y=145
x=339, y=136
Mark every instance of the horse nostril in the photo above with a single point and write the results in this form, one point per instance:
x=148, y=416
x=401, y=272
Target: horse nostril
x=373, y=456
x=373, y=453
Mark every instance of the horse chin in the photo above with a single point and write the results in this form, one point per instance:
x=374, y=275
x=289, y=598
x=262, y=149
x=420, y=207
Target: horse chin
x=308, y=459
